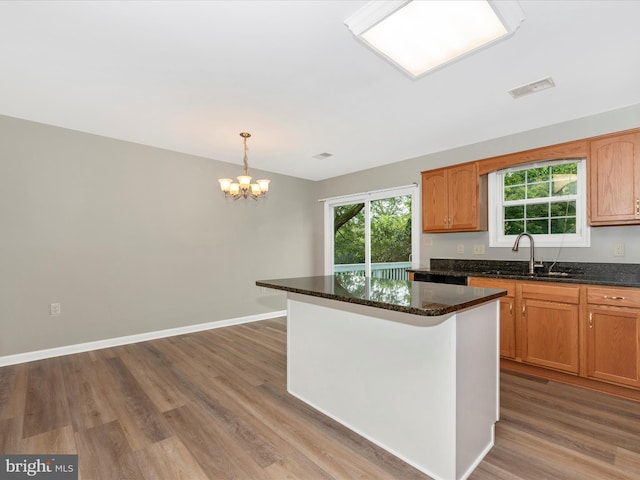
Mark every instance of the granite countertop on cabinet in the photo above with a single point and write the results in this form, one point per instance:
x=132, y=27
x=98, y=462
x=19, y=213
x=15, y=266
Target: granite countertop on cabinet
x=417, y=298
x=612, y=274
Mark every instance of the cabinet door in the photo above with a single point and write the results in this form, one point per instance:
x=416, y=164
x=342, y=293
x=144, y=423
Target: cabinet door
x=614, y=180
x=613, y=344
x=464, y=192
x=507, y=312
x=550, y=334
x=435, y=206
x=507, y=328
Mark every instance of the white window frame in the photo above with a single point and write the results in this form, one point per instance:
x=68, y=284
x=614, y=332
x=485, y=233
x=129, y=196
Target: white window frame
x=366, y=198
x=582, y=237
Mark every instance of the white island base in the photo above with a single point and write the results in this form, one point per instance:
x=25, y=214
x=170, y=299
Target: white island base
x=424, y=388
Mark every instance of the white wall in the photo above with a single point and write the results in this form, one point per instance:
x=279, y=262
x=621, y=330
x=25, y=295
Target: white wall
x=133, y=239
x=444, y=245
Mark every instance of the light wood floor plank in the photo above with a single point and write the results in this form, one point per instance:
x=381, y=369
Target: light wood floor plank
x=169, y=458
x=105, y=454
x=140, y=420
x=85, y=383
x=13, y=390
x=46, y=405
x=218, y=453
x=60, y=442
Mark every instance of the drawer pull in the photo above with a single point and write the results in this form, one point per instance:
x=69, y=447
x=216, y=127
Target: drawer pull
x=638, y=206
x=613, y=297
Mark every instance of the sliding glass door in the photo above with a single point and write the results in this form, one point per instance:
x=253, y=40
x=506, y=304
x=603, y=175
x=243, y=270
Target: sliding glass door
x=372, y=234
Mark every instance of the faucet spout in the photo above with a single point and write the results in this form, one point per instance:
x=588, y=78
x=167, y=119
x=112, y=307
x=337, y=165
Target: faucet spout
x=532, y=264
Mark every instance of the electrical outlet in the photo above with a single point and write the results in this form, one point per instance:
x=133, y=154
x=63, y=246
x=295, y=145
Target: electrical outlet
x=55, y=309
x=478, y=249
x=460, y=248
x=618, y=250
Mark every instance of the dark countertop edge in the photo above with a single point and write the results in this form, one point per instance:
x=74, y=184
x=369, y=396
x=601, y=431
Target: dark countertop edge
x=428, y=312
x=577, y=279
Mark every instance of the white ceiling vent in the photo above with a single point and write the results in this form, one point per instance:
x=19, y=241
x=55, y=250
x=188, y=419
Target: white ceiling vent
x=322, y=156
x=532, y=87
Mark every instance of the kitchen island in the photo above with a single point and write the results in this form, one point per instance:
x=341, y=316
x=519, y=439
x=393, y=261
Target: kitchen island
x=411, y=366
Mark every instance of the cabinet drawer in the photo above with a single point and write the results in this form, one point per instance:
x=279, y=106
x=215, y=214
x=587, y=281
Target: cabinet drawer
x=618, y=297
x=551, y=292
x=508, y=285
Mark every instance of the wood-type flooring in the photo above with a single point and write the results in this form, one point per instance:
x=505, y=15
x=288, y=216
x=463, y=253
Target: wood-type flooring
x=214, y=405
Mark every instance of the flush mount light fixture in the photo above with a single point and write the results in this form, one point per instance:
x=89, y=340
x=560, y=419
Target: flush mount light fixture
x=244, y=188
x=419, y=36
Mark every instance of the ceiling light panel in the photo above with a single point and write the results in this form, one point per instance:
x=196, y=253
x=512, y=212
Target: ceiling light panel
x=419, y=36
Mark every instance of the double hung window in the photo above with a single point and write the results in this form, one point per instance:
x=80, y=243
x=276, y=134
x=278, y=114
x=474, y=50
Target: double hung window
x=546, y=199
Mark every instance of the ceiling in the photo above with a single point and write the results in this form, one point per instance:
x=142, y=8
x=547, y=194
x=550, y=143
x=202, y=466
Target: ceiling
x=190, y=76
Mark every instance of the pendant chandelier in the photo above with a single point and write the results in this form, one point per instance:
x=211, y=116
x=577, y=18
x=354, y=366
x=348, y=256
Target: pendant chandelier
x=244, y=187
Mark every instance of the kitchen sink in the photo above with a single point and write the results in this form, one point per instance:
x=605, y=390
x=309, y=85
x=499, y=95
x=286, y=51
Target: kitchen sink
x=553, y=274
x=524, y=274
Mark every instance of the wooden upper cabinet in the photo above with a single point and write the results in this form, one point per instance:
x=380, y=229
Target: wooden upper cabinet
x=614, y=180
x=454, y=199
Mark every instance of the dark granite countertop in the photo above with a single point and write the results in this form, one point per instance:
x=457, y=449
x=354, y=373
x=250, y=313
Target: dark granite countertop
x=417, y=298
x=613, y=274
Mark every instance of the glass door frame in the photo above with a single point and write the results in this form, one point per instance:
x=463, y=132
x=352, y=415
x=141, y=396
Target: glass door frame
x=366, y=198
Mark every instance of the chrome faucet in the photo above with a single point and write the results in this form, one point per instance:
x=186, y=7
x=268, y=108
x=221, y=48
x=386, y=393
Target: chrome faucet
x=532, y=263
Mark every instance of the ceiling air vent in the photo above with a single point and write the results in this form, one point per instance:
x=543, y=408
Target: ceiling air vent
x=532, y=87
x=322, y=156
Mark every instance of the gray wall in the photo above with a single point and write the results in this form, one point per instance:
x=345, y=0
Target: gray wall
x=133, y=239
x=444, y=245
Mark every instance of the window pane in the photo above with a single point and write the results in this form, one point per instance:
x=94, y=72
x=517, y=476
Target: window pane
x=514, y=193
x=513, y=227
x=348, y=242
x=538, y=227
x=538, y=190
x=514, y=213
x=538, y=210
x=563, y=225
x=515, y=178
x=564, y=184
x=564, y=179
x=563, y=209
x=540, y=174
x=390, y=236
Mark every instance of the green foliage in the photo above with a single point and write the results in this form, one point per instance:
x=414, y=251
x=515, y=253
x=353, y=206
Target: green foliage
x=549, y=184
x=390, y=231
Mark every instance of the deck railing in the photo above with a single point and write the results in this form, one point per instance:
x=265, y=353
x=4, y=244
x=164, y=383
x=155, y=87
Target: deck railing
x=390, y=270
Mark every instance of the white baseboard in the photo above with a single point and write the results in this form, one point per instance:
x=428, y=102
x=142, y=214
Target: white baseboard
x=141, y=337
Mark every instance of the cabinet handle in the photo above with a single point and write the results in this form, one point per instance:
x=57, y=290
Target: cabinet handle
x=510, y=308
x=613, y=297
x=523, y=310
x=638, y=206
x=590, y=320
x=446, y=222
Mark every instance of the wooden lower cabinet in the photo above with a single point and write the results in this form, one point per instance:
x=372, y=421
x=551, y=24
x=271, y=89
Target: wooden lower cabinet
x=550, y=325
x=582, y=335
x=550, y=334
x=613, y=335
x=507, y=312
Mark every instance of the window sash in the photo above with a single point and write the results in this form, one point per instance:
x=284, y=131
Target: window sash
x=497, y=204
